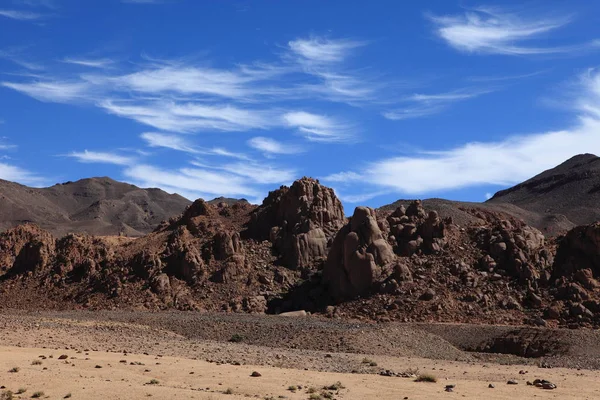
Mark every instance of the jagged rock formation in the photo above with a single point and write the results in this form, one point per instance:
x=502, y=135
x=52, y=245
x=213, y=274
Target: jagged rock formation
x=299, y=221
x=297, y=251
x=357, y=256
x=412, y=230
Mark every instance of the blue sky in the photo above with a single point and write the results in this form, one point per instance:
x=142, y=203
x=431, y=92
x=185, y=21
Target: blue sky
x=379, y=100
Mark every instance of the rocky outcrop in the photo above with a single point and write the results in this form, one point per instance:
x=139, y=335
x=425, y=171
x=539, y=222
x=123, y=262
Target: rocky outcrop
x=26, y=248
x=513, y=249
x=299, y=221
x=578, y=255
x=357, y=256
x=412, y=230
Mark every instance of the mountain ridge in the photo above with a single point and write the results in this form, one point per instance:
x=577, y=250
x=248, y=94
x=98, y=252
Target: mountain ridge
x=98, y=205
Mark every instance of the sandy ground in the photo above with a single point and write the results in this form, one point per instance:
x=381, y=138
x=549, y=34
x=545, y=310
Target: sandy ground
x=182, y=368
x=192, y=379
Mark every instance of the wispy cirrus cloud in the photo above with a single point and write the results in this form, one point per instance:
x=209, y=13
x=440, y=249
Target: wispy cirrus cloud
x=184, y=97
x=190, y=117
x=320, y=50
x=52, y=91
x=89, y=62
x=271, y=146
x=493, y=30
x=173, y=142
x=190, y=182
x=17, y=174
x=201, y=180
x=319, y=128
x=20, y=15
x=422, y=105
x=14, y=56
x=505, y=162
x=183, y=144
x=101, y=157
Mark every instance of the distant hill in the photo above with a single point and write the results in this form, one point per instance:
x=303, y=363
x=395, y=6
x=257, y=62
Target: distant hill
x=554, y=201
x=569, y=192
x=227, y=200
x=99, y=206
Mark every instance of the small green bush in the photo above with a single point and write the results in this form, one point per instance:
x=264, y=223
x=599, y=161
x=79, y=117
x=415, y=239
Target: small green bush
x=236, y=338
x=426, y=378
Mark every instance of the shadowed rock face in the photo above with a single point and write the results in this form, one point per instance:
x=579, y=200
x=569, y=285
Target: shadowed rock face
x=299, y=221
x=356, y=258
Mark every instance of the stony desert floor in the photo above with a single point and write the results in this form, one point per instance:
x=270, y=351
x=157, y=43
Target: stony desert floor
x=123, y=356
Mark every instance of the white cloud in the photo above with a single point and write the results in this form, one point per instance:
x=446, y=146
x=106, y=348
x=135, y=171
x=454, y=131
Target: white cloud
x=190, y=117
x=14, y=56
x=343, y=177
x=172, y=142
x=261, y=173
x=191, y=182
x=52, y=91
x=272, y=146
x=101, y=157
x=423, y=105
x=322, y=50
x=184, y=80
x=17, y=174
x=495, y=31
x=175, y=142
x=89, y=62
x=318, y=128
x=506, y=162
x=488, y=195
x=185, y=97
x=20, y=15
x=321, y=58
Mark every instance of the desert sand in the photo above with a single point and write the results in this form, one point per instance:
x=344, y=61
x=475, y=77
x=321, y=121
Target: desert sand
x=106, y=360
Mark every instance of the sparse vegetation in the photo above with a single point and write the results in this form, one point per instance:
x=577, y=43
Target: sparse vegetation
x=315, y=396
x=36, y=362
x=14, y=370
x=369, y=361
x=21, y=390
x=7, y=395
x=311, y=390
x=426, y=378
x=153, y=382
x=411, y=371
x=228, y=391
x=336, y=386
x=236, y=338
x=37, y=395
x=67, y=396
x=292, y=388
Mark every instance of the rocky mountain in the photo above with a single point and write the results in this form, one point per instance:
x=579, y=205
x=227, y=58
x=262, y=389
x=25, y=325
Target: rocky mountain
x=297, y=251
x=568, y=193
x=553, y=202
x=466, y=262
x=99, y=206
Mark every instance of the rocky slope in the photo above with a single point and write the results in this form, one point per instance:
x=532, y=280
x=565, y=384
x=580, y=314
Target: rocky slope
x=569, y=192
x=99, y=206
x=553, y=202
x=297, y=251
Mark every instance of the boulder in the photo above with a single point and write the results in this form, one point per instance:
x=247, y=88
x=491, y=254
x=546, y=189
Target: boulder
x=356, y=258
